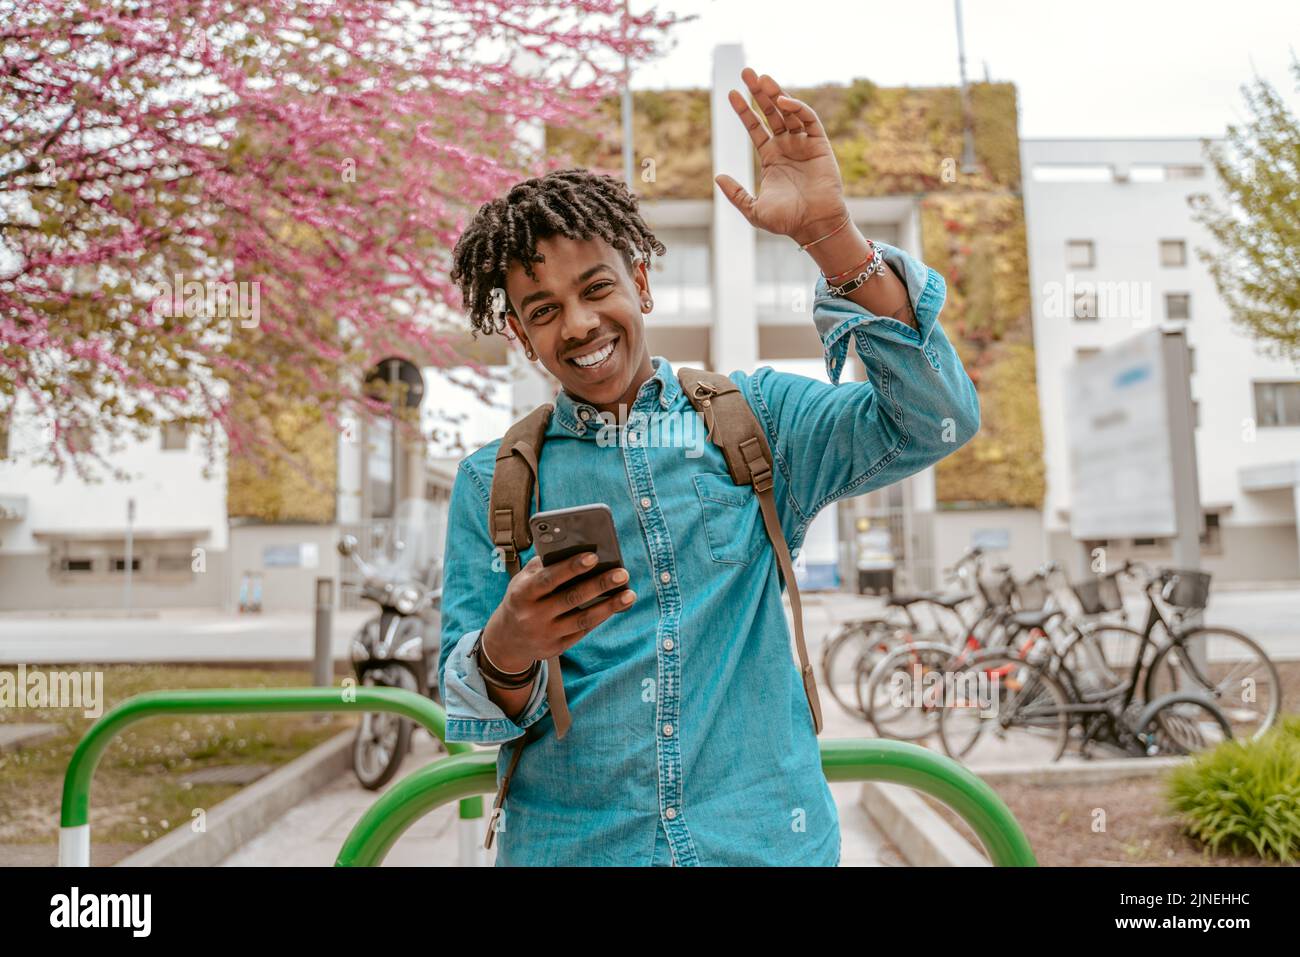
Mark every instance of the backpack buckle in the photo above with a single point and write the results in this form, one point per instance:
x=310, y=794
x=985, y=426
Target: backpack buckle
x=760, y=473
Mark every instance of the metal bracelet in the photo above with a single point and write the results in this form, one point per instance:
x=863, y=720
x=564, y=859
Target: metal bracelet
x=874, y=268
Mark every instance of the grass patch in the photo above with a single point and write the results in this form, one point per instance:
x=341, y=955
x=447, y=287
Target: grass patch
x=1244, y=796
x=137, y=795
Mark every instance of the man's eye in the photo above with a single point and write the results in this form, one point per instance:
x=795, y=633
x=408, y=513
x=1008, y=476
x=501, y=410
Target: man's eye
x=539, y=313
x=597, y=287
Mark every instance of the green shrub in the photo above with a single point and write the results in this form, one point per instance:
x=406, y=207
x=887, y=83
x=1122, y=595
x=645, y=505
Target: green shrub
x=1245, y=795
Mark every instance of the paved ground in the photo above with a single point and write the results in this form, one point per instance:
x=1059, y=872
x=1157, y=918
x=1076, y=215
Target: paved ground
x=1271, y=616
x=312, y=833
x=171, y=636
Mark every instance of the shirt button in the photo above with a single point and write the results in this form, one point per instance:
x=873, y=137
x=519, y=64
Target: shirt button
x=668, y=644
x=670, y=813
x=645, y=503
x=665, y=577
x=668, y=730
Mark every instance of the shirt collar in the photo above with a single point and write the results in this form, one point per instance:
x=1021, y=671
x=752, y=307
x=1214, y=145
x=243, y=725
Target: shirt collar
x=583, y=419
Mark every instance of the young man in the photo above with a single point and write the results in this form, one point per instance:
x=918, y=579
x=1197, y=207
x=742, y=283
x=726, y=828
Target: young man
x=691, y=740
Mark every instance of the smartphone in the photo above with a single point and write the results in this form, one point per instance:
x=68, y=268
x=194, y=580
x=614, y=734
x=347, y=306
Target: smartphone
x=564, y=532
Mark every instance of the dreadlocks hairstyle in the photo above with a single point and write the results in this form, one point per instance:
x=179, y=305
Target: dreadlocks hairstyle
x=575, y=203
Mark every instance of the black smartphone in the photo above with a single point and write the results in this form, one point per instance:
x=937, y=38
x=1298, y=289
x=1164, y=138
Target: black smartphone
x=564, y=532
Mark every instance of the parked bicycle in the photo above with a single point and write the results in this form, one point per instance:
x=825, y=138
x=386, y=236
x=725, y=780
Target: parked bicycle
x=1186, y=699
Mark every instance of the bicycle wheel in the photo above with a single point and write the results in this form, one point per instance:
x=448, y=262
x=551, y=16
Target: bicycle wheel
x=842, y=654
x=892, y=693
x=1004, y=708
x=1184, y=724
x=1101, y=659
x=1240, y=678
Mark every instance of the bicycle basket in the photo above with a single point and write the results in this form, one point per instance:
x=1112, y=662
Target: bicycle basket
x=1031, y=594
x=1186, y=589
x=1099, y=595
x=996, y=589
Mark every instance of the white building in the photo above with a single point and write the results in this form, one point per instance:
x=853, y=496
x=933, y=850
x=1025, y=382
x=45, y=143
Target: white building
x=1112, y=251
x=64, y=541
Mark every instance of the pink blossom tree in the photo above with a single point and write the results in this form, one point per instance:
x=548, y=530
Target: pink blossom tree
x=210, y=210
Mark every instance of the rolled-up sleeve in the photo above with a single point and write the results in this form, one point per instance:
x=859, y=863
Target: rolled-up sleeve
x=919, y=405
x=474, y=583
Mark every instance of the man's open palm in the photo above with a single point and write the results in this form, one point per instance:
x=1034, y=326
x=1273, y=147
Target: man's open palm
x=799, y=189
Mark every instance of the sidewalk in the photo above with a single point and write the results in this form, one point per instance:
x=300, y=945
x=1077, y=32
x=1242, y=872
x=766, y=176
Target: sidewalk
x=312, y=833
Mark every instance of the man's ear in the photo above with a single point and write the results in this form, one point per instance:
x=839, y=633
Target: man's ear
x=641, y=277
x=518, y=330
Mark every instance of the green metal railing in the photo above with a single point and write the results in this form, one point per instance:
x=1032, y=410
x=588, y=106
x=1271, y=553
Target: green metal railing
x=896, y=762
x=74, y=835
x=468, y=773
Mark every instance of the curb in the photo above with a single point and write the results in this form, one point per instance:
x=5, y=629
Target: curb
x=244, y=815
x=1088, y=772
x=923, y=837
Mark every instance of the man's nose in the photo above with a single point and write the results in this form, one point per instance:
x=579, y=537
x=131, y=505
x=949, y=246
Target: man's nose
x=580, y=321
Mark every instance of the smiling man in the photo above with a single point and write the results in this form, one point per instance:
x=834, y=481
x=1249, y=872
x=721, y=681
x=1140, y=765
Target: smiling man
x=691, y=740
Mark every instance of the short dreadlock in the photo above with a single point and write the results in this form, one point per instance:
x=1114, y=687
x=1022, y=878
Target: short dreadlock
x=575, y=203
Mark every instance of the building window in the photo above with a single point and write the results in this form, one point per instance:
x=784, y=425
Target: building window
x=1277, y=404
x=1178, y=305
x=119, y=564
x=1184, y=171
x=1079, y=254
x=1085, y=353
x=1144, y=543
x=175, y=436
x=1173, y=252
x=77, y=565
x=1085, y=305
x=1212, y=537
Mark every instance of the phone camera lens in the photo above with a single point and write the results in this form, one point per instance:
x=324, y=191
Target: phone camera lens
x=541, y=526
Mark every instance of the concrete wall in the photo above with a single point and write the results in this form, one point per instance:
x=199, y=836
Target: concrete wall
x=27, y=584
x=283, y=589
x=1253, y=553
x=1021, y=528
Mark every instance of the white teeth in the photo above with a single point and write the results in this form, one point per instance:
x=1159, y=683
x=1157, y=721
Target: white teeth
x=596, y=358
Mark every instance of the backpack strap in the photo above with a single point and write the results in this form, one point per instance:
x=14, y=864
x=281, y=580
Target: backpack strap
x=514, y=489
x=733, y=427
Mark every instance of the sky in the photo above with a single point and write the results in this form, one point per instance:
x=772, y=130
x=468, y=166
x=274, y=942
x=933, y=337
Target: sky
x=1101, y=68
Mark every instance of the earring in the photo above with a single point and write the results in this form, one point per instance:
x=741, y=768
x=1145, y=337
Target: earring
x=647, y=304
x=532, y=356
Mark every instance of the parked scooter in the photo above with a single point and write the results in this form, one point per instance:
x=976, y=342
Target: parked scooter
x=398, y=648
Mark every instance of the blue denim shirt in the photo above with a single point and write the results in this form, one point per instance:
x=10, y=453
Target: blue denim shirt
x=692, y=741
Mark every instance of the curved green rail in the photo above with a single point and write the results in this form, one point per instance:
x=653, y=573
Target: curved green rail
x=76, y=782
x=896, y=762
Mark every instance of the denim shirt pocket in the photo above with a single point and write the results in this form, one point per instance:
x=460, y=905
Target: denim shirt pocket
x=732, y=521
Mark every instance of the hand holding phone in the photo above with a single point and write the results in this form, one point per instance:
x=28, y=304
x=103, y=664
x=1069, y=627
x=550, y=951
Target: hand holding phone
x=564, y=532
x=558, y=596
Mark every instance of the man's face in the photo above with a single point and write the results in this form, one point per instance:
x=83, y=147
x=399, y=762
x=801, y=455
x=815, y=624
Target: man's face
x=583, y=301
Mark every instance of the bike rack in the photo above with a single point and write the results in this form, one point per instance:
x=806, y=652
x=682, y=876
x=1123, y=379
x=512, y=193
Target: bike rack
x=849, y=759
x=468, y=773
x=74, y=830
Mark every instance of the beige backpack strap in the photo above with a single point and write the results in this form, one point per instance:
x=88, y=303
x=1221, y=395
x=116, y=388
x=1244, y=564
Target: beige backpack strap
x=514, y=488
x=733, y=427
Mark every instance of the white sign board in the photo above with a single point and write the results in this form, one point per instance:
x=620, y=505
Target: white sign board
x=1121, y=448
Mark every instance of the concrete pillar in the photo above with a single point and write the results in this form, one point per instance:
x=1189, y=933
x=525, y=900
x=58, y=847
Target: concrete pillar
x=733, y=337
